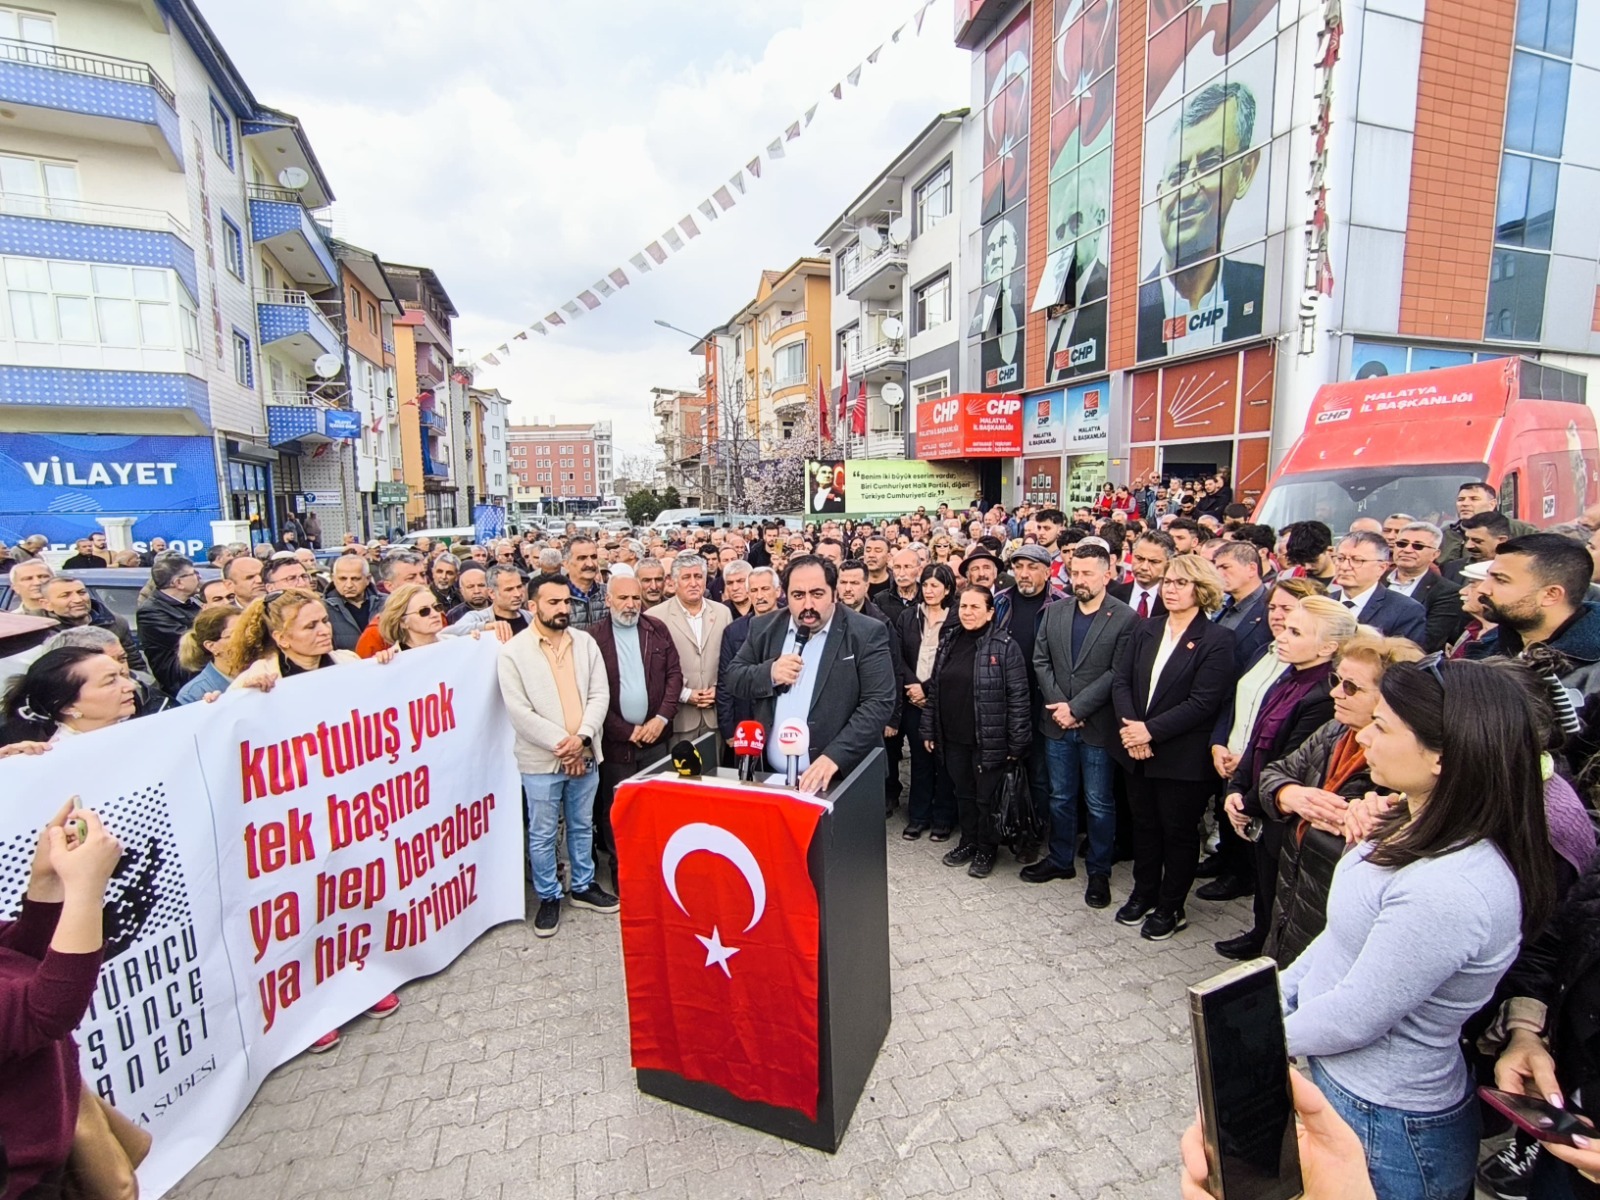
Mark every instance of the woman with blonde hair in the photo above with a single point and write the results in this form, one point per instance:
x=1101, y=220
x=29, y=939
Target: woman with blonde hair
x=1169, y=687
x=199, y=647
x=412, y=617
x=1293, y=708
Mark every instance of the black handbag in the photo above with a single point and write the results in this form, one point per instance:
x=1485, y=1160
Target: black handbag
x=1021, y=819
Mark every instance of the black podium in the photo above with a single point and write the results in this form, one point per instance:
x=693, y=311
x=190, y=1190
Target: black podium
x=849, y=868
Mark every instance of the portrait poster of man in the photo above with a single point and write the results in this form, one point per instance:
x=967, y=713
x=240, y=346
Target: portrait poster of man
x=997, y=314
x=1205, y=218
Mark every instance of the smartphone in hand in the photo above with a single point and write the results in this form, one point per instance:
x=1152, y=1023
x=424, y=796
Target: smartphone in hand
x=1538, y=1118
x=1242, y=1071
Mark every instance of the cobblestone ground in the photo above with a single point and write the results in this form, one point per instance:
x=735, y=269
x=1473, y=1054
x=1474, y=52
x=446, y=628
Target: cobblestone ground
x=1038, y=1049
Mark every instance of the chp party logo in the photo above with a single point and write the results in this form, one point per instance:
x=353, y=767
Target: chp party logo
x=994, y=406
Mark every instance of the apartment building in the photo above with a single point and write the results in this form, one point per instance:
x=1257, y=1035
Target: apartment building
x=561, y=462
x=897, y=283
x=424, y=353
x=786, y=334
x=492, y=426
x=686, y=432
x=370, y=308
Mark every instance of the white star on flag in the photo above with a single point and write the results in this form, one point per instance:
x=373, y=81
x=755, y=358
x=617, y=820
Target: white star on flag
x=717, y=955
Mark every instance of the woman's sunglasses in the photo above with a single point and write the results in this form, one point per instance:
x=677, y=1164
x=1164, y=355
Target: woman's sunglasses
x=427, y=610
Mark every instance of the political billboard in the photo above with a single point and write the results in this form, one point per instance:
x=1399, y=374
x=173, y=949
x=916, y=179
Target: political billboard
x=867, y=487
x=56, y=484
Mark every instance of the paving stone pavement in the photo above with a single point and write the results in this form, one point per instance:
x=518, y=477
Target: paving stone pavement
x=1038, y=1050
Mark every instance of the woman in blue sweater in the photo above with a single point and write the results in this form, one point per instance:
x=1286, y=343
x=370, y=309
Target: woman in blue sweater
x=1424, y=919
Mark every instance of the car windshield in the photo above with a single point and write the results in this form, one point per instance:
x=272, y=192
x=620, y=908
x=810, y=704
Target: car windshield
x=1337, y=498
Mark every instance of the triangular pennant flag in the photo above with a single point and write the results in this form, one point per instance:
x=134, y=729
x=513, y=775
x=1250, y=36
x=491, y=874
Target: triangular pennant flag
x=854, y=77
x=689, y=227
x=723, y=197
x=876, y=50
x=792, y=132
x=810, y=112
x=838, y=91
x=708, y=210
x=737, y=180
x=521, y=337
x=655, y=251
x=775, y=148
x=922, y=12
x=672, y=239
x=754, y=166
x=571, y=309
x=620, y=278
x=553, y=319
x=538, y=327
x=895, y=36
x=603, y=287
x=640, y=263
x=491, y=360
x=590, y=300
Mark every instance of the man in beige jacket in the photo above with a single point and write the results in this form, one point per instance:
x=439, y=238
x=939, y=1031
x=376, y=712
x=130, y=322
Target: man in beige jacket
x=697, y=625
x=554, y=684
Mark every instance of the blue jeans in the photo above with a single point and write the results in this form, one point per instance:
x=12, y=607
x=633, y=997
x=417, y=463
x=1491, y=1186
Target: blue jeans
x=548, y=798
x=1411, y=1155
x=1077, y=766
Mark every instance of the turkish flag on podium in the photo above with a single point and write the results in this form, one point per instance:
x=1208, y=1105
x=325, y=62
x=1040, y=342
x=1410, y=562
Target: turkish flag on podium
x=720, y=936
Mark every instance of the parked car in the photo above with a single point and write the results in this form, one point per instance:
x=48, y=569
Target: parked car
x=117, y=588
x=459, y=535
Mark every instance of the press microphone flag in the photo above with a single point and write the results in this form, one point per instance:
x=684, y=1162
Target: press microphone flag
x=749, y=743
x=686, y=760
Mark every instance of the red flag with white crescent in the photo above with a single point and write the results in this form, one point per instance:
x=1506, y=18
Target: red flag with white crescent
x=858, y=411
x=720, y=936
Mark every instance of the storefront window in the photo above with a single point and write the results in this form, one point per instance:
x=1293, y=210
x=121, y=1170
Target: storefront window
x=250, y=499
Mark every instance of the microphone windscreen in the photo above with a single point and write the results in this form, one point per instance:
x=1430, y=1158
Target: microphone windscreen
x=686, y=759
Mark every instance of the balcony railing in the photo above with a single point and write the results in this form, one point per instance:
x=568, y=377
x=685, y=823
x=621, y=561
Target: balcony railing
x=101, y=66
x=781, y=323
x=859, y=267
x=874, y=351
x=284, y=313
x=877, y=444
x=47, y=208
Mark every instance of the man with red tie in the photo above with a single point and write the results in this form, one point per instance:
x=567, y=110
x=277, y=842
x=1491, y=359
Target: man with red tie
x=1151, y=552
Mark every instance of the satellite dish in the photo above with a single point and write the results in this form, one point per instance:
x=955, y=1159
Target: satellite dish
x=900, y=231
x=294, y=178
x=871, y=239
x=893, y=395
x=327, y=366
x=893, y=328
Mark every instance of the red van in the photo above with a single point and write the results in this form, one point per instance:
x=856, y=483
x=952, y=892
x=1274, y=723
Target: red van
x=1405, y=443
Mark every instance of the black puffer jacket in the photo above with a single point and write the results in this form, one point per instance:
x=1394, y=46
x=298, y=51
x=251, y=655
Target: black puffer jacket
x=999, y=696
x=1305, y=864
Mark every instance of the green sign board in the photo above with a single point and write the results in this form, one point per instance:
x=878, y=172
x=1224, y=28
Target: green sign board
x=393, y=493
x=872, y=487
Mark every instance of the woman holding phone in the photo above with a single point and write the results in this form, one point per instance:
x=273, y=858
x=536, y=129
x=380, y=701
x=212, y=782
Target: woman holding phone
x=1424, y=918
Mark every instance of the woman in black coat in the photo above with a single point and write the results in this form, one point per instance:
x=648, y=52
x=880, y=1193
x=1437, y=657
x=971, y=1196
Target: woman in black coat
x=978, y=720
x=922, y=627
x=1170, y=686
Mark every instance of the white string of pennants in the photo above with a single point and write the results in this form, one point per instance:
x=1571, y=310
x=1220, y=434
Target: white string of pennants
x=677, y=236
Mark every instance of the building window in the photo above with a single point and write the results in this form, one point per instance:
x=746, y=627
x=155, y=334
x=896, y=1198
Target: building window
x=789, y=363
x=1547, y=25
x=1516, y=295
x=355, y=305
x=221, y=133
x=786, y=429
x=232, y=248
x=846, y=342
x=372, y=317
x=936, y=388
x=99, y=304
x=243, y=369
x=30, y=184
x=931, y=200
x=931, y=304
x=1536, y=105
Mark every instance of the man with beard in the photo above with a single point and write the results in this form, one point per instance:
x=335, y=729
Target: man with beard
x=68, y=601
x=1019, y=610
x=553, y=682
x=736, y=587
x=823, y=664
x=475, y=595
x=1079, y=644
x=652, y=578
x=351, y=602
x=442, y=578
x=1195, y=298
x=854, y=586
x=645, y=678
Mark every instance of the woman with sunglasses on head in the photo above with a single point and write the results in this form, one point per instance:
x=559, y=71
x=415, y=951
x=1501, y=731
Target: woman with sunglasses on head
x=279, y=636
x=1424, y=918
x=1168, y=691
x=411, y=617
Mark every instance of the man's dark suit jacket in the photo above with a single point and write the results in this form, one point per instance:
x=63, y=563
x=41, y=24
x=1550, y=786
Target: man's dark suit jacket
x=1124, y=592
x=854, y=697
x=1088, y=324
x=1243, y=283
x=1394, y=615
x=1441, y=605
x=1084, y=682
x=663, y=683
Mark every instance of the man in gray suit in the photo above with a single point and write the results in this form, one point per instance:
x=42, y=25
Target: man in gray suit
x=821, y=662
x=1074, y=656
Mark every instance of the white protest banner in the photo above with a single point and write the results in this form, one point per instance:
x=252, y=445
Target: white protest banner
x=291, y=858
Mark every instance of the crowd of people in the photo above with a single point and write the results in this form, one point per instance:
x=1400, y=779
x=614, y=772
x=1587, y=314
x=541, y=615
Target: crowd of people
x=1379, y=734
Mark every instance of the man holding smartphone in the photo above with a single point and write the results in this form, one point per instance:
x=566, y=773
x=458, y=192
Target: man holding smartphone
x=553, y=680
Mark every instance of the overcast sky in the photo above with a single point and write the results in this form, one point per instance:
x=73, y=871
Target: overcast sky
x=524, y=150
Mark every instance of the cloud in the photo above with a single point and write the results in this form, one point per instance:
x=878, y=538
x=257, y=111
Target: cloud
x=523, y=151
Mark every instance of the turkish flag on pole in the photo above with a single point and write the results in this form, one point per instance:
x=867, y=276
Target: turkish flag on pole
x=822, y=406
x=858, y=411
x=720, y=931
x=844, y=397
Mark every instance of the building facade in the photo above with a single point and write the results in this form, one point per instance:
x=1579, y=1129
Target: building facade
x=896, y=258
x=1183, y=219
x=686, y=432
x=786, y=335
x=561, y=463
x=424, y=354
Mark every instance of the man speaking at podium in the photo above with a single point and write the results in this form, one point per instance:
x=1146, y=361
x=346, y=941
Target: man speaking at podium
x=823, y=663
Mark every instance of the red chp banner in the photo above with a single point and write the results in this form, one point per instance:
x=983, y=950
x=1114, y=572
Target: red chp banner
x=720, y=936
x=970, y=425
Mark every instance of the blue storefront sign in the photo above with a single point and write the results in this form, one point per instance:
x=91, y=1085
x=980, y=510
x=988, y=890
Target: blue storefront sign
x=337, y=423
x=56, y=484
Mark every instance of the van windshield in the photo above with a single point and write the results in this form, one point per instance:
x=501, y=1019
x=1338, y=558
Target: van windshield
x=1337, y=498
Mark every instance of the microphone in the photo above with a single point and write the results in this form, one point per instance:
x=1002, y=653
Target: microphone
x=794, y=739
x=749, y=744
x=686, y=760
x=802, y=635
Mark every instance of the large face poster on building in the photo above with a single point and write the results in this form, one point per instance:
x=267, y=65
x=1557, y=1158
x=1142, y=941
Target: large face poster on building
x=1072, y=285
x=56, y=484
x=1205, y=211
x=881, y=487
x=996, y=335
